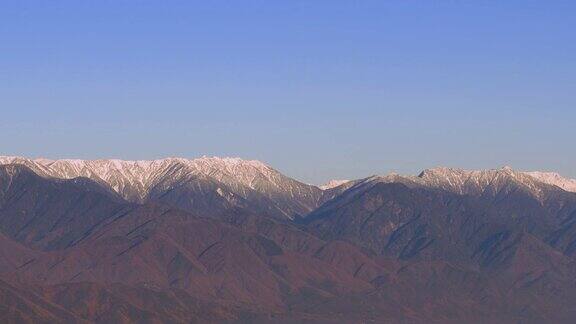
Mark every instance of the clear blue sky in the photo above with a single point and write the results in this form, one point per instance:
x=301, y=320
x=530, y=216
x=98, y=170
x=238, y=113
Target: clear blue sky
x=318, y=89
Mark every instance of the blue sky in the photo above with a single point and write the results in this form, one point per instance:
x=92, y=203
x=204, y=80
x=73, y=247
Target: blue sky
x=318, y=89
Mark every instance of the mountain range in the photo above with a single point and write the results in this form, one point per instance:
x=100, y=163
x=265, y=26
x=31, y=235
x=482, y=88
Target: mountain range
x=231, y=240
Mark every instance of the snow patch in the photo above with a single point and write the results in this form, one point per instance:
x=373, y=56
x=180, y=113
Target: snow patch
x=554, y=179
x=333, y=184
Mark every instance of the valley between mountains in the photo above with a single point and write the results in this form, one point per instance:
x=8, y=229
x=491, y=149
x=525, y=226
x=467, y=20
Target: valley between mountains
x=214, y=240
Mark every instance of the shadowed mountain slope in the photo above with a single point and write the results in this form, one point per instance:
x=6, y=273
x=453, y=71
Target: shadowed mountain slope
x=181, y=180
x=447, y=246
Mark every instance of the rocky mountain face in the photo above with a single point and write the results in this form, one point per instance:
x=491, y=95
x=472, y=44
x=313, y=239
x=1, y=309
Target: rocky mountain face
x=228, y=240
x=230, y=181
x=505, y=226
x=48, y=213
x=439, y=198
x=554, y=179
x=128, y=255
x=333, y=184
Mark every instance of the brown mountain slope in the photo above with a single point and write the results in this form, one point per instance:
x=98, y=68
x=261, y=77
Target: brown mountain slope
x=379, y=252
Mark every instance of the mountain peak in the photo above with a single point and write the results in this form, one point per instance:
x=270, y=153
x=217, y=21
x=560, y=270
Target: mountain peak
x=555, y=179
x=333, y=184
x=476, y=181
x=441, y=171
x=136, y=180
x=230, y=161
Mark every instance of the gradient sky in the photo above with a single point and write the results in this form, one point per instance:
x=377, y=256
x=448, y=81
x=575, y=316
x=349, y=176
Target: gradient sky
x=317, y=89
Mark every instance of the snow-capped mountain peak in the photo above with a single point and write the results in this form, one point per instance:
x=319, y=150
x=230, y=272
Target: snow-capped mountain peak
x=135, y=180
x=333, y=184
x=555, y=179
x=476, y=181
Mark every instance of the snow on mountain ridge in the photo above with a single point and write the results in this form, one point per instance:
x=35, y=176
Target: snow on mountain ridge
x=476, y=181
x=555, y=179
x=134, y=179
x=333, y=184
x=464, y=182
